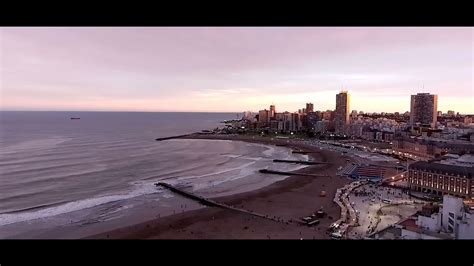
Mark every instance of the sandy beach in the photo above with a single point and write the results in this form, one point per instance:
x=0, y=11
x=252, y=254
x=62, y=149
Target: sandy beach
x=289, y=199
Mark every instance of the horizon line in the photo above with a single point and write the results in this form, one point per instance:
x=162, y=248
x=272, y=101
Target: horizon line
x=217, y=112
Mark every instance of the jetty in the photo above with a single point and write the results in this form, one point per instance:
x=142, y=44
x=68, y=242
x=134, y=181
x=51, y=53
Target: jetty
x=299, y=162
x=212, y=203
x=173, y=137
x=266, y=171
x=189, y=195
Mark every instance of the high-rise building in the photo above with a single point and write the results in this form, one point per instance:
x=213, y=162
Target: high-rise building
x=424, y=109
x=309, y=107
x=263, y=116
x=440, y=113
x=311, y=119
x=341, y=119
x=272, y=111
x=296, y=121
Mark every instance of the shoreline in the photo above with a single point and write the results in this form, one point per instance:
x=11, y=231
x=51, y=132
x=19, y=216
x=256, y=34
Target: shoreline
x=288, y=199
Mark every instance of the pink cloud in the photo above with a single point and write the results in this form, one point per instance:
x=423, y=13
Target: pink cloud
x=67, y=64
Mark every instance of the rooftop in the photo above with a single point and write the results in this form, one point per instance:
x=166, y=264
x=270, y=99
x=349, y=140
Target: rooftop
x=438, y=167
x=464, y=160
x=409, y=224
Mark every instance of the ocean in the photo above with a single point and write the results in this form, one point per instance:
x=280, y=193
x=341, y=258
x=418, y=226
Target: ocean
x=57, y=173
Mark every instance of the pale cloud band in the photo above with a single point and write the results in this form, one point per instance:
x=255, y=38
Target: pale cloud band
x=233, y=69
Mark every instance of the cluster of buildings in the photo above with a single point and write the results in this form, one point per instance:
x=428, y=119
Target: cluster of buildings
x=442, y=145
x=442, y=179
x=422, y=133
x=306, y=119
x=452, y=219
x=380, y=129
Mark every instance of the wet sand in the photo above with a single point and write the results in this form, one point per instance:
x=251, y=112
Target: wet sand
x=288, y=199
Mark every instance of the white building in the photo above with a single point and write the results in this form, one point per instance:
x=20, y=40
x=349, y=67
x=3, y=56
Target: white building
x=453, y=208
x=454, y=218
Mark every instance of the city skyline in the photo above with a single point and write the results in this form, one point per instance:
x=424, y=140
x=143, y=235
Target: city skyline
x=233, y=69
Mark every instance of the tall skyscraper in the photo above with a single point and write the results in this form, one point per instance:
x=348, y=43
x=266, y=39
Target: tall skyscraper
x=272, y=111
x=424, y=109
x=341, y=117
x=309, y=108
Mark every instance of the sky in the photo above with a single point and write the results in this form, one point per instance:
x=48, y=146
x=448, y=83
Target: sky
x=233, y=69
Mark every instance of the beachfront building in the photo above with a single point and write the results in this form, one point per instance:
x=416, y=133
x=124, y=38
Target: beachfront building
x=429, y=148
x=424, y=109
x=322, y=126
x=341, y=119
x=452, y=220
x=272, y=112
x=369, y=128
x=328, y=115
x=263, y=116
x=311, y=120
x=441, y=179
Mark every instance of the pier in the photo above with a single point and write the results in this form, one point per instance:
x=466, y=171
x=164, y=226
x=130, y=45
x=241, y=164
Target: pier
x=173, y=137
x=266, y=171
x=299, y=162
x=212, y=203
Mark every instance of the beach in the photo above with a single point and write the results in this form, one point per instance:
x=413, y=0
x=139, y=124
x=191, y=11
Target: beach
x=288, y=200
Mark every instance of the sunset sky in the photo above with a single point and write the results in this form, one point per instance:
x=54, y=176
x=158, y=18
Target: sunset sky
x=233, y=69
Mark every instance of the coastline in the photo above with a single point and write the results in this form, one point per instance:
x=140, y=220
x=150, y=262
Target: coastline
x=288, y=199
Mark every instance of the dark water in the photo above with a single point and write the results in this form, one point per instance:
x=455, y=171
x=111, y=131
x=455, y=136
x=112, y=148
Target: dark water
x=51, y=165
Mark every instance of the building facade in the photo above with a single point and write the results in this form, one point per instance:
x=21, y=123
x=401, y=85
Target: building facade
x=263, y=118
x=424, y=109
x=441, y=179
x=272, y=112
x=341, y=115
